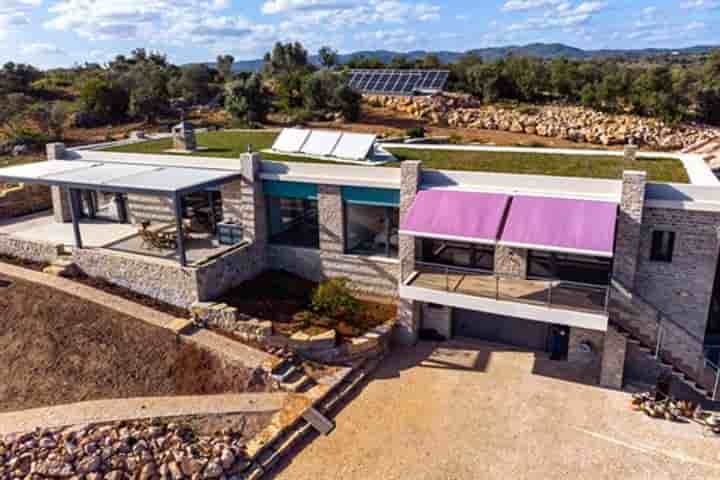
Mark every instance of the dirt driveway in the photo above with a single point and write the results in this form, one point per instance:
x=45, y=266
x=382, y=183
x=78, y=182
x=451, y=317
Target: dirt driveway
x=468, y=410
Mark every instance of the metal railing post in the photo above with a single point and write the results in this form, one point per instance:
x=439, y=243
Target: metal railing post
x=717, y=383
x=659, y=340
x=549, y=300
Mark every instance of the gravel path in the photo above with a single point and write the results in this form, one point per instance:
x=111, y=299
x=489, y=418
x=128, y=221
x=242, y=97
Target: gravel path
x=104, y=411
x=469, y=410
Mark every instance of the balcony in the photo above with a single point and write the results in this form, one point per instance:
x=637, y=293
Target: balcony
x=552, y=294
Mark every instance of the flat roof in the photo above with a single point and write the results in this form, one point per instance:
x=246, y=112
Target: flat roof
x=118, y=177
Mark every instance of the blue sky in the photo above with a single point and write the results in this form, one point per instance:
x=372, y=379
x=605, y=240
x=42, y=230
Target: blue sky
x=61, y=32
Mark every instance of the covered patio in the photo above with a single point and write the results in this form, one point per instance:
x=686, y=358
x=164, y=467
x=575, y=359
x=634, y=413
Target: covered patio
x=173, y=240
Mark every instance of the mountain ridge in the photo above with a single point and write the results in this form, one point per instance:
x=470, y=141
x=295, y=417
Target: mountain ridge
x=542, y=50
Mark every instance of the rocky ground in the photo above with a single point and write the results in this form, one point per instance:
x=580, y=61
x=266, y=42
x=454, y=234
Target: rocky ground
x=577, y=124
x=140, y=450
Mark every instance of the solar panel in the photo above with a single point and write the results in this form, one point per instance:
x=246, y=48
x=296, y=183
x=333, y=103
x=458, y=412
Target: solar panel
x=354, y=146
x=291, y=140
x=399, y=82
x=321, y=143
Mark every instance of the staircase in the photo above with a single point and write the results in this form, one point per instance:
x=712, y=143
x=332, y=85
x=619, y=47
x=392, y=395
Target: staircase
x=290, y=375
x=645, y=327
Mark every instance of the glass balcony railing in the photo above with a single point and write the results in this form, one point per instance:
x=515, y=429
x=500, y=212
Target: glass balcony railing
x=481, y=283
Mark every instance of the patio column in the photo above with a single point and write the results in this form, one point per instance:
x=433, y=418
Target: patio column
x=74, y=204
x=177, y=205
x=410, y=179
x=629, y=228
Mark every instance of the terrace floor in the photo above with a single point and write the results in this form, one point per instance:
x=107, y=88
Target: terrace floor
x=555, y=294
x=108, y=235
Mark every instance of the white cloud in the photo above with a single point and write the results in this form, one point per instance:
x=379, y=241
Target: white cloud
x=342, y=13
x=520, y=5
x=272, y=7
x=42, y=49
x=701, y=4
x=563, y=16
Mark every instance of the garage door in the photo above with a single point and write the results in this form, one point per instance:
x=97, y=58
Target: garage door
x=500, y=329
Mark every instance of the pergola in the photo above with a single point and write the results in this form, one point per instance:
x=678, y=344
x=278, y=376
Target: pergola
x=152, y=180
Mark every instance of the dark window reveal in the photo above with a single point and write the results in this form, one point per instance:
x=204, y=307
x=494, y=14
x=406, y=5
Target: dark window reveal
x=663, y=243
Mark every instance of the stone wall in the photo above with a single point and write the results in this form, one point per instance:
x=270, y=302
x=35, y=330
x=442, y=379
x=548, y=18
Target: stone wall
x=612, y=369
x=411, y=176
x=160, y=279
x=680, y=289
x=578, y=343
x=150, y=208
x=23, y=200
x=42, y=252
x=511, y=261
x=407, y=327
x=630, y=219
x=227, y=271
x=232, y=200
x=304, y=262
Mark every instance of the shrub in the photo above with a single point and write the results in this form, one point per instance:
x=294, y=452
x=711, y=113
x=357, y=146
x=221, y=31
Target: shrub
x=104, y=101
x=333, y=298
x=416, y=132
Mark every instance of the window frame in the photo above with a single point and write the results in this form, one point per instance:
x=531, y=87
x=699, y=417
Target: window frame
x=272, y=238
x=388, y=230
x=657, y=243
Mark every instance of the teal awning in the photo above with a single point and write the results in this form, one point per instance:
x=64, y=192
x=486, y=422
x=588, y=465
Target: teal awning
x=382, y=197
x=274, y=188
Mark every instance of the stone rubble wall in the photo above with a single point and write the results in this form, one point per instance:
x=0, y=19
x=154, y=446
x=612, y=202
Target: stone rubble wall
x=227, y=318
x=42, y=252
x=150, y=208
x=24, y=199
x=157, y=279
x=573, y=123
x=227, y=271
x=612, y=370
x=371, y=344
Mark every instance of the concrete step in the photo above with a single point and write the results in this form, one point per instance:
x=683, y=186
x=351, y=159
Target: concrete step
x=296, y=383
x=319, y=421
x=282, y=375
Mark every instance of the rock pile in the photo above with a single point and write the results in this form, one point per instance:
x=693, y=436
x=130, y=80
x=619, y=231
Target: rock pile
x=577, y=124
x=115, y=452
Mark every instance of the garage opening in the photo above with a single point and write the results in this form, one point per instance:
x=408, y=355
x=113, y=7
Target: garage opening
x=513, y=331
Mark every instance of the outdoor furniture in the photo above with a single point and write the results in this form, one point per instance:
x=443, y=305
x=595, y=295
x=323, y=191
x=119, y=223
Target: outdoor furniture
x=158, y=239
x=229, y=233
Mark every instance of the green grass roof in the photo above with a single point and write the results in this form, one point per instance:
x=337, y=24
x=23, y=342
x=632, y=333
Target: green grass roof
x=229, y=144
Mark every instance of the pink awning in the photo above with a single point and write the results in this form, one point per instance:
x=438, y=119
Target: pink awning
x=558, y=224
x=453, y=215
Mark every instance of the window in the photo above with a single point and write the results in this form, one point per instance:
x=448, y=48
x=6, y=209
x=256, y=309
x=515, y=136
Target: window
x=663, y=243
x=569, y=267
x=293, y=222
x=465, y=255
x=371, y=230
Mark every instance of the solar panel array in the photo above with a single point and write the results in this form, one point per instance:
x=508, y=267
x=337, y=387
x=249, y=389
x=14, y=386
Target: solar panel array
x=398, y=82
x=323, y=143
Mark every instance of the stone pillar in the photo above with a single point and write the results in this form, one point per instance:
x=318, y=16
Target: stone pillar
x=331, y=221
x=253, y=214
x=410, y=179
x=630, y=152
x=629, y=225
x=613, y=359
x=232, y=201
x=407, y=327
x=511, y=261
x=60, y=203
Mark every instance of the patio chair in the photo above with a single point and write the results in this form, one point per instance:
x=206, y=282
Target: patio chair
x=158, y=240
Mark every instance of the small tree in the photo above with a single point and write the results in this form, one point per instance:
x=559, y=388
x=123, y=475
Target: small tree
x=225, y=67
x=328, y=57
x=105, y=101
x=246, y=100
x=333, y=298
x=348, y=101
x=708, y=105
x=149, y=96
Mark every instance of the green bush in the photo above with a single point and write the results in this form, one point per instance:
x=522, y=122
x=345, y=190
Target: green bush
x=415, y=132
x=333, y=298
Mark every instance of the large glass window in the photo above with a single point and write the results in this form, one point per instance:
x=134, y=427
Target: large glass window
x=371, y=230
x=457, y=254
x=663, y=244
x=293, y=222
x=569, y=267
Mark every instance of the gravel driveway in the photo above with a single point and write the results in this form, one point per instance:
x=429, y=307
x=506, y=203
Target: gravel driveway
x=467, y=410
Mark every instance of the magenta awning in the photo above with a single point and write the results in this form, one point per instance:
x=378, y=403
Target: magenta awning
x=453, y=215
x=559, y=224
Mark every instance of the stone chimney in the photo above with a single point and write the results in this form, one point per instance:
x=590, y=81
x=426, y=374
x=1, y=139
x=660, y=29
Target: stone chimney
x=184, y=137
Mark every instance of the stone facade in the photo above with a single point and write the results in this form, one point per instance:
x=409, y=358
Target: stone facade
x=151, y=208
x=60, y=204
x=511, y=261
x=408, y=323
x=253, y=214
x=159, y=279
x=612, y=370
x=42, y=252
x=227, y=318
x=411, y=176
x=585, y=347
x=183, y=135
x=227, y=271
x=232, y=201
x=630, y=219
x=24, y=200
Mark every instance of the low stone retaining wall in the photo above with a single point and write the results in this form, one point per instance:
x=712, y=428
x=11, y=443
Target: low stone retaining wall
x=42, y=252
x=227, y=318
x=227, y=271
x=371, y=344
x=157, y=279
x=23, y=200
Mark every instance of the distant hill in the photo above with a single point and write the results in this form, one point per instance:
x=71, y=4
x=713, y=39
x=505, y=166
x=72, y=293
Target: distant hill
x=542, y=50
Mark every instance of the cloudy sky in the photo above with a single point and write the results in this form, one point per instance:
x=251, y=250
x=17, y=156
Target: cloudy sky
x=61, y=32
